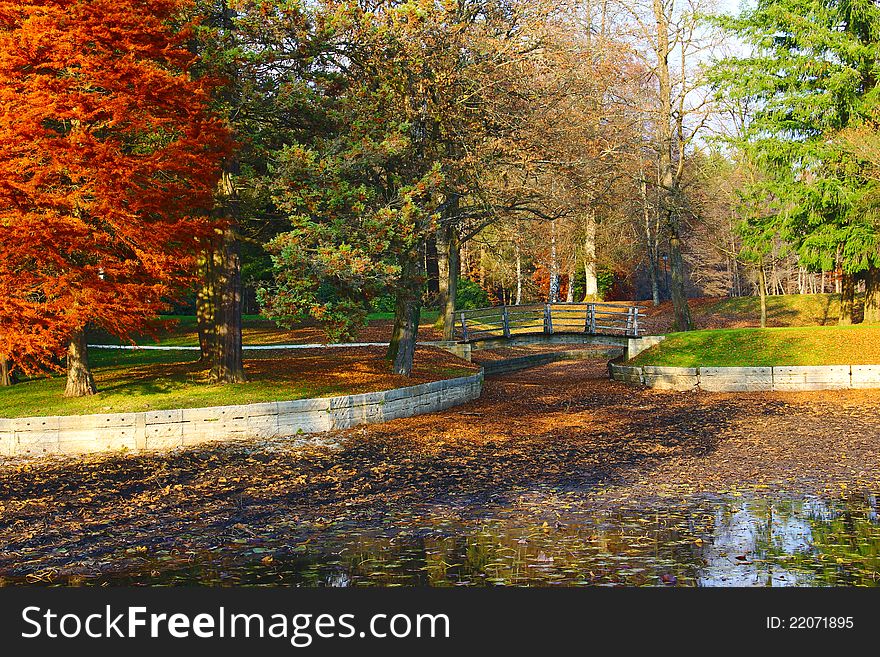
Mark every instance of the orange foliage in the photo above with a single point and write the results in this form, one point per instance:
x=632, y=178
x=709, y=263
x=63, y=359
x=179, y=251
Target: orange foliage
x=541, y=278
x=109, y=158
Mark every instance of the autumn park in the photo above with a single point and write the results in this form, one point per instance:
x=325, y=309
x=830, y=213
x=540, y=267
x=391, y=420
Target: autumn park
x=440, y=293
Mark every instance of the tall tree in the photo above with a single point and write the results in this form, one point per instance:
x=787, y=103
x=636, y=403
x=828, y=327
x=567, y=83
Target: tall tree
x=108, y=164
x=279, y=60
x=812, y=68
x=360, y=194
x=493, y=65
x=669, y=38
x=219, y=293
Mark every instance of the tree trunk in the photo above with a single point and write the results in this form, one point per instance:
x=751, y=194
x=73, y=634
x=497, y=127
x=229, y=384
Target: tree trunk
x=651, y=240
x=80, y=382
x=569, y=292
x=872, y=296
x=680, y=308
x=441, y=239
x=518, y=270
x=847, y=298
x=7, y=375
x=225, y=278
x=655, y=279
x=591, y=281
x=401, y=349
x=449, y=265
x=553, y=294
x=206, y=306
x=228, y=366
x=409, y=306
x=762, y=292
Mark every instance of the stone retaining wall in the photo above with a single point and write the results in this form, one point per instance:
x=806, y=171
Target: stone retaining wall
x=135, y=432
x=635, y=346
x=746, y=379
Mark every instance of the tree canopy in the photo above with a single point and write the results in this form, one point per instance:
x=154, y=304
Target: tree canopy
x=108, y=167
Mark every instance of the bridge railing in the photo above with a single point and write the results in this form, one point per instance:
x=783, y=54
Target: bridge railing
x=547, y=318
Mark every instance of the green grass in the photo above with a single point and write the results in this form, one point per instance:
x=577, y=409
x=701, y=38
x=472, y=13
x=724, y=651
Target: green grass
x=125, y=386
x=134, y=381
x=808, y=345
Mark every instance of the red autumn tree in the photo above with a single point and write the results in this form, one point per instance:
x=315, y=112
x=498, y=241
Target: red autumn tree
x=109, y=159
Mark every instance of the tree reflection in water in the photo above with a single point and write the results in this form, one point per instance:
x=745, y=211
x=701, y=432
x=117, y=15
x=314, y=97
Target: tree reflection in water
x=727, y=541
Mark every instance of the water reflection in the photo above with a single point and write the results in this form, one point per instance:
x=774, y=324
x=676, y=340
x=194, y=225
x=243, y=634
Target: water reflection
x=730, y=541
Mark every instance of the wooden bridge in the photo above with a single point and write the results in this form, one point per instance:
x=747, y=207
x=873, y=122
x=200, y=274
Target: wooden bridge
x=548, y=319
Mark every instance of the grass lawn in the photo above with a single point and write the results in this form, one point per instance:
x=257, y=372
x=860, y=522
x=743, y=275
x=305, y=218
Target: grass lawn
x=808, y=345
x=131, y=381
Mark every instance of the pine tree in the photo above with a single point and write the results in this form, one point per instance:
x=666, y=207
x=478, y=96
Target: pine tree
x=814, y=64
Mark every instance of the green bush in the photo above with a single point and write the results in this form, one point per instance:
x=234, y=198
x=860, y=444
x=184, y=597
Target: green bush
x=605, y=281
x=470, y=295
x=383, y=304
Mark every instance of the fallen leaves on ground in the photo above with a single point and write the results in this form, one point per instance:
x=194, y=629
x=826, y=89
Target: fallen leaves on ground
x=537, y=444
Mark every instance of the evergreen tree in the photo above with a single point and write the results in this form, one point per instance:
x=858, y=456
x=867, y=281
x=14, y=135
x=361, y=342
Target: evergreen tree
x=813, y=66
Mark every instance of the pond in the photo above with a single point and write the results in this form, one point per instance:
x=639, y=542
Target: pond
x=732, y=540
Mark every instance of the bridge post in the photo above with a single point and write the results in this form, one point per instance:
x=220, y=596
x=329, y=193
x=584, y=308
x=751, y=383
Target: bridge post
x=630, y=315
x=590, y=325
x=464, y=331
x=505, y=320
x=636, y=321
x=548, y=320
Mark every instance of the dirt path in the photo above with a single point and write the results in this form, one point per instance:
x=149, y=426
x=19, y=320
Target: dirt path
x=561, y=428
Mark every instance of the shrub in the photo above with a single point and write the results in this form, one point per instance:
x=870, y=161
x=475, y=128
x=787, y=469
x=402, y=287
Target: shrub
x=470, y=295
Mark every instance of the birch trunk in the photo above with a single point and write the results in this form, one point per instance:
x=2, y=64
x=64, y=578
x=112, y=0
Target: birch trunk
x=518, y=274
x=553, y=295
x=591, y=281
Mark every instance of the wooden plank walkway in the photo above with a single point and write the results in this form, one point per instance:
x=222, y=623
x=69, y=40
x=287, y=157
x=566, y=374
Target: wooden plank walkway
x=546, y=319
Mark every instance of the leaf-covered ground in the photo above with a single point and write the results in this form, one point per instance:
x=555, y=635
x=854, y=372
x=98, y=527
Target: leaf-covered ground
x=539, y=447
x=180, y=330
